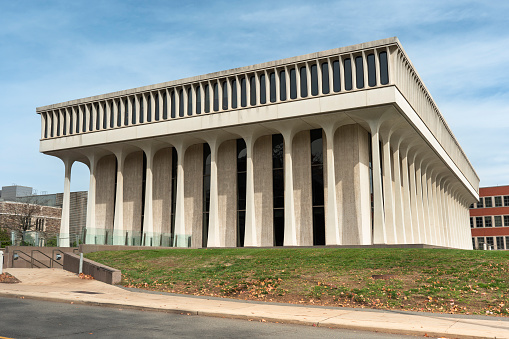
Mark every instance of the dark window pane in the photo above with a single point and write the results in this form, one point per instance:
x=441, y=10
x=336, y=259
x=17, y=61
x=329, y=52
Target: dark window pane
x=336, y=77
x=172, y=108
x=241, y=190
x=181, y=103
x=384, y=70
x=293, y=84
x=216, y=97
x=279, y=227
x=359, y=71
x=234, y=94
x=317, y=185
x=318, y=226
x=277, y=151
x=272, y=87
x=112, y=113
x=241, y=155
x=243, y=94
x=325, y=78
x=91, y=122
x=252, y=85
x=105, y=117
x=241, y=228
x=190, y=101
x=198, y=100
x=371, y=70
x=278, y=188
x=314, y=80
x=58, y=124
x=316, y=147
x=207, y=99
x=64, y=126
x=149, y=108
x=263, y=90
x=303, y=82
x=225, y=95
x=165, y=105
x=84, y=125
x=156, y=103
x=71, y=127
x=348, y=74
x=282, y=85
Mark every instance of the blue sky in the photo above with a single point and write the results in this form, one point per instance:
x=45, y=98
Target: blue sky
x=54, y=51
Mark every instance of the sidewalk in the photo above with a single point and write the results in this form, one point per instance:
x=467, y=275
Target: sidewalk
x=63, y=286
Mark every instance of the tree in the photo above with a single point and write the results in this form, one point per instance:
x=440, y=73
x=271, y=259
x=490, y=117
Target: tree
x=21, y=216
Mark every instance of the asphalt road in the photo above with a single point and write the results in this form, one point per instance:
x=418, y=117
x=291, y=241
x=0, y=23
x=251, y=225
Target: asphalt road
x=24, y=318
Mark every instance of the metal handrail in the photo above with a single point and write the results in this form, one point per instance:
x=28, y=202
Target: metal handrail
x=31, y=259
x=51, y=260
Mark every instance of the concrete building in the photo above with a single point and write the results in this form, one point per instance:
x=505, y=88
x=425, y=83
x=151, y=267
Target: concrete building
x=341, y=147
x=489, y=219
x=15, y=191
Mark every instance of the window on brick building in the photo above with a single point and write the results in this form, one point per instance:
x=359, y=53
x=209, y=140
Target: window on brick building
x=498, y=220
x=480, y=204
x=487, y=221
x=500, y=243
x=498, y=201
x=478, y=222
x=490, y=242
x=506, y=200
x=506, y=220
x=471, y=222
x=488, y=202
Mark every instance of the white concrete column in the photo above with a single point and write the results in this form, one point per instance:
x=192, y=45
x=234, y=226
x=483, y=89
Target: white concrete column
x=160, y=100
x=406, y=199
x=354, y=71
x=145, y=106
x=101, y=115
x=214, y=238
x=420, y=202
x=377, y=68
x=92, y=118
x=238, y=90
x=60, y=122
x=332, y=226
x=414, y=211
x=287, y=83
x=267, y=87
x=331, y=74
x=290, y=235
x=379, y=234
x=66, y=205
x=54, y=122
x=250, y=237
x=148, y=215
x=436, y=219
x=118, y=223
x=153, y=106
x=257, y=88
x=399, y=208
x=90, y=223
x=425, y=203
x=319, y=76
x=180, y=237
x=278, y=84
x=388, y=193
x=440, y=207
x=308, y=79
x=74, y=124
x=297, y=81
x=431, y=215
x=43, y=124
x=115, y=114
x=67, y=121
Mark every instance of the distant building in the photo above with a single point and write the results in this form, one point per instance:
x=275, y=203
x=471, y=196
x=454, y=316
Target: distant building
x=489, y=219
x=15, y=191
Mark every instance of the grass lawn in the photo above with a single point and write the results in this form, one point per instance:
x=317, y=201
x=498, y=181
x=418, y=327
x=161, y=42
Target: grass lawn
x=449, y=281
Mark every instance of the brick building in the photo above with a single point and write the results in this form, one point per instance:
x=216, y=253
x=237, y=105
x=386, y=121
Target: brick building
x=15, y=215
x=489, y=218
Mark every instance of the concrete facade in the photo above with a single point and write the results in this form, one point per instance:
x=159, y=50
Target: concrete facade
x=388, y=171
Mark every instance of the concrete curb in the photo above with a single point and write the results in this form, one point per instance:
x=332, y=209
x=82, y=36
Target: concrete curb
x=220, y=314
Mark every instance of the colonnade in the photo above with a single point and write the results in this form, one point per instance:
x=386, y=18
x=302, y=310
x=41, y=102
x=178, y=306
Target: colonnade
x=408, y=196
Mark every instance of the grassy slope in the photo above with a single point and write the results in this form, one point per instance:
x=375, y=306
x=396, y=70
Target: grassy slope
x=428, y=280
